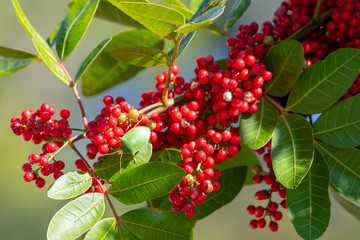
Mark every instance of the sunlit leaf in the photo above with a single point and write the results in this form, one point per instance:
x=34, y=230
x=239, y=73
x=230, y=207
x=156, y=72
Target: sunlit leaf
x=145, y=182
x=74, y=26
x=41, y=46
x=292, y=149
x=70, y=185
x=76, y=217
x=237, y=10
x=135, y=139
x=257, y=129
x=340, y=125
x=158, y=19
x=325, y=82
x=285, y=60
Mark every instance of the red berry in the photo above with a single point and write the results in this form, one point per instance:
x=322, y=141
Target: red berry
x=40, y=182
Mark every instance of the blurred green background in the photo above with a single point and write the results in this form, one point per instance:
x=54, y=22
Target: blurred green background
x=25, y=211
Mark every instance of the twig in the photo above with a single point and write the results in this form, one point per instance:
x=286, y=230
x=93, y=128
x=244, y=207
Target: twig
x=276, y=104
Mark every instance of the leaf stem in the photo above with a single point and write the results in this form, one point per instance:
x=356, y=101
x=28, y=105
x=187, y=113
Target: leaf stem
x=151, y=204
x=164, y=97
x=54, y=154
x=316, y=17
x=276, y=104
x=93, y=174
x=78, y=99
x=311, y=26
x=159, y=107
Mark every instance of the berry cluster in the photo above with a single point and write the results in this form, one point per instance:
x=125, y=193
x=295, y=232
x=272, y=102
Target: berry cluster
x=271, y=210
x=39, y=126
x=115, y=119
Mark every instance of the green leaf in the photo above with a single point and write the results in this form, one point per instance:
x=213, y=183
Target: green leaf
x=109, y=12
x=141, y=56
x=91, y=58
x=111, y=166
x=41, y=46
x=231, y=182
x=257, y=129
x=309, y=204
x=54, y=35
x=196, y=4
x=145, y=182
x=206, y=5
x=285, y=60
x=350, y=206
x=158, y=19
x=74, y=26
x=202, y=21
x=156, y=225
x=245, y=157
x=70, y=185
x=11, y=65
x=105, y=229
x=105, y=72
x=16, y=54
x=76, y=217
x=325, y=82
x=222, y=63
x=135, y=139
x=168, y=155
x=292, y=149
x=340, y=125
x=179, y=6
x=344, y=169
x=185, y=41
x=237, y=10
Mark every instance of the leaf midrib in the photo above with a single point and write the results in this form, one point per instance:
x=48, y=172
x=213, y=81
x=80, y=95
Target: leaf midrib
x=337, y=160
x=293, y=147
x=337, y=128
x=327, y=76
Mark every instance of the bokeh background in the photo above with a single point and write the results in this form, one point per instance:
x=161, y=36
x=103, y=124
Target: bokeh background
x=25, y=211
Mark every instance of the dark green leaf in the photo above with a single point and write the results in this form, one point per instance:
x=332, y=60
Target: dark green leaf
x=202, y=21
x=177, y=5
x=106, y=229
x=74, y=26
x=340, y=125
x=41, y=45
x=54, y=35
x=292, y=149
x=350, y=206
x=76, y=217
x=90, y=58
x=231, y=182
x=70, y=185
x=141, y=56
x=11, y=65
x=309, y=204
x=245, y=157
x=16, y=54
x=183, y=44
x=111, y=166
x=344, y=169
x=156, y=225
x=325, y=82
x=170, y=155
x=222, y=64
x=135, y=139
x=285, y=60
x=105, y=72
x=206, y=5
x=109, y=12
x=236, y=12
x=158, y=19
x=257, y=129
x=145, y=182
